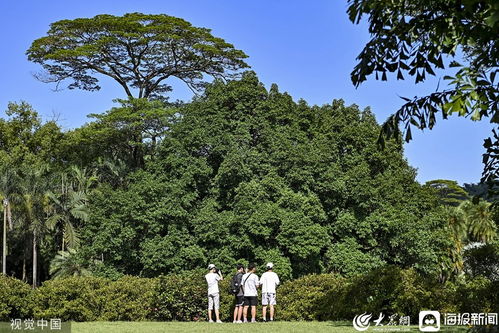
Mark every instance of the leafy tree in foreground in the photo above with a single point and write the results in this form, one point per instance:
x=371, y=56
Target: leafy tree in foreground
x=415, y=37
x=138, y=51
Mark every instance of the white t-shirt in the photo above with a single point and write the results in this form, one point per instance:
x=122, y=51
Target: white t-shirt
x=269, y=281
x=212, y=280
x=250, y=282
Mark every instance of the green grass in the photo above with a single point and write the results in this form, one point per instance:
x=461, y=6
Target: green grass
x=277, y=327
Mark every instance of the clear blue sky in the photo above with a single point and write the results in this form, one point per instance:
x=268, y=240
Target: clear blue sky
x=307, y=48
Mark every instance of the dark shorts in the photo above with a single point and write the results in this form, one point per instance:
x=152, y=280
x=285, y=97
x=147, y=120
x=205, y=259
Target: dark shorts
x=239, y=300
x=250, y=301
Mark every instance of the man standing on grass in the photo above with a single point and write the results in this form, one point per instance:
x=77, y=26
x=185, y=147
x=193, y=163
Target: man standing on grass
x=249, y=285
x=212, y=279
x=237, y=290
x=269, y=282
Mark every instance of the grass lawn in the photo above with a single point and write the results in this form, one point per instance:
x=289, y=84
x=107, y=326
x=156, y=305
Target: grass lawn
x=277, y=327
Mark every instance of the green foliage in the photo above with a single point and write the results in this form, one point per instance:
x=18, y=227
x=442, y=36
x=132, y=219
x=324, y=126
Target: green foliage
x=128, y=299
x=91, y=298
x=249, y=175
x=312, y=297
x=478, y=295
x=414, y=38
x=482, y=259
x=15, y=299
x=73, y=298
x=67, y=263
x=450, y=193
x=128, y=133
x=136, y=50
x=346, y=257
x=181, y=297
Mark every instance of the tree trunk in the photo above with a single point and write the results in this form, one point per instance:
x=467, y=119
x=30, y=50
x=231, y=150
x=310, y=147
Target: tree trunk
x=35, y=263
x=4, y=253
x=24, y=279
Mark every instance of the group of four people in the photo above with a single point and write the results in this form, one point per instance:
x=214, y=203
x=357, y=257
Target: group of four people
x=244, y=286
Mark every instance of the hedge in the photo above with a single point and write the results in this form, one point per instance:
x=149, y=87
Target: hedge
x=182, y=297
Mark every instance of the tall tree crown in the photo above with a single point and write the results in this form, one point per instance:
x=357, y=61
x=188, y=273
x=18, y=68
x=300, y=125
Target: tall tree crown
x=138, y=51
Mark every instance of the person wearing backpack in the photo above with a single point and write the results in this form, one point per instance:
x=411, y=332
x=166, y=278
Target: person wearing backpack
x=237, y=291
x=250, y=284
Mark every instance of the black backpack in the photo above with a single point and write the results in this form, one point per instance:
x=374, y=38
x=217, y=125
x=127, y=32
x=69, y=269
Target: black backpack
x=235, y=284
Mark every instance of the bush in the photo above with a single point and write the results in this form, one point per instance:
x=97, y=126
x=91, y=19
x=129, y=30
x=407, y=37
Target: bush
x=478, y=295
x=129, y=298
x=15, y=297
x=73, y=298
x=312, y=297
x=181, y=297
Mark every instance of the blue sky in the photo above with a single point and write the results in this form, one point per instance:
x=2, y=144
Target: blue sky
x=307, y=48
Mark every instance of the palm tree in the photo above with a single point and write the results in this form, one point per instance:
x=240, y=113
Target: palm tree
x=35, y=208
x=481, y=225
x=458, y=231
x=66, y=263
x=7, y=190
x=467, y=223
x=70, y=205
x=82, y=180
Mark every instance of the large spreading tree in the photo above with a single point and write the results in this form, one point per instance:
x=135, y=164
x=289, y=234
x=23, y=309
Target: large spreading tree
x=140, y=52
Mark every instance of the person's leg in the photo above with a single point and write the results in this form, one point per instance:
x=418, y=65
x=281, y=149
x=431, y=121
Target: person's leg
x=240, y=313
x=236, y=311
x=245, y=313
x=216, y=301
x=264, y=306
x=210, y=306
x=253, y=313
x=272, y=302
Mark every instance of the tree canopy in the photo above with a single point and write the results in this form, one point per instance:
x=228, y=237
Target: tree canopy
x=138, y=51
x=249, y=174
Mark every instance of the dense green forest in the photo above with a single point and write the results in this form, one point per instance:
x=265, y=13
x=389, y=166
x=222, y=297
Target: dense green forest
x=239, y=174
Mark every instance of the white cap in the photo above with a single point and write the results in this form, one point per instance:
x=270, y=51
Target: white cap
x=211, y=266
x=270, y=265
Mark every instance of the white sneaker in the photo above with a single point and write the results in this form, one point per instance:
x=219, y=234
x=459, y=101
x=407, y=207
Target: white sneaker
x=219, y=321
x=253, y=320
x=239, y=322
x=211, y=321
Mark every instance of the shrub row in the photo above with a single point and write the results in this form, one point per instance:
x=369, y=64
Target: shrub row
x=182, y=297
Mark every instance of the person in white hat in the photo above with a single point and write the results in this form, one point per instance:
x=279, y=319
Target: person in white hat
x=269, y=282
x=212, y=279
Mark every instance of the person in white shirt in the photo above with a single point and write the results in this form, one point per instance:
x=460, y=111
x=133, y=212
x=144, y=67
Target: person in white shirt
x=212, y=279
x=249, y=285
x=269, y=281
